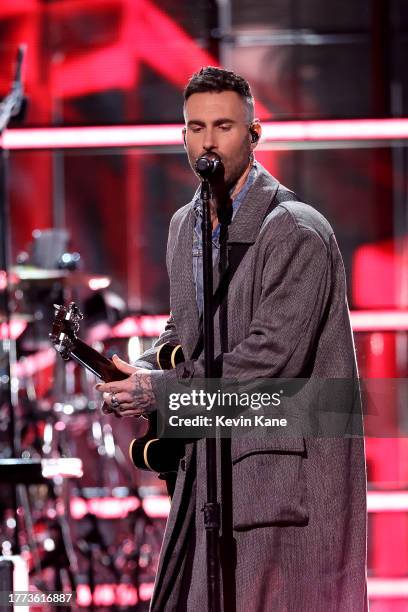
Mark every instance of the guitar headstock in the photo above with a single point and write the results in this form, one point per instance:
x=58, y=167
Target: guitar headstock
x=65, y=328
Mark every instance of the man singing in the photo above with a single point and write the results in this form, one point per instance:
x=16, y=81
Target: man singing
x=293, y=533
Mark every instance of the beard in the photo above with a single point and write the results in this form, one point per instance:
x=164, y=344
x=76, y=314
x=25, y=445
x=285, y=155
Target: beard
x=234, y=171
x=234, y=166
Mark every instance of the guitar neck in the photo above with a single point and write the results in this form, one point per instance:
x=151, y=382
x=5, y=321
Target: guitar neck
x=96, y=363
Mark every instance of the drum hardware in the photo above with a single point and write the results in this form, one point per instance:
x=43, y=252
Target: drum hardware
x=61, y=419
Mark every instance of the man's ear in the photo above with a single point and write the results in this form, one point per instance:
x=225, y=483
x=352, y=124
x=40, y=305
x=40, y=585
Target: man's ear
x=255, y=132
x=184, y=137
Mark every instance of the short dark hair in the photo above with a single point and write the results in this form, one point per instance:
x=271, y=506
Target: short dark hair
x=212, y=79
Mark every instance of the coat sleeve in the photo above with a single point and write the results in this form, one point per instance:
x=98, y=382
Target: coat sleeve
x=284, y=328
x=148, y=359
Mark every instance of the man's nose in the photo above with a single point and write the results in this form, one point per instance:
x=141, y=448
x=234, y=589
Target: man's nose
x=209, y=142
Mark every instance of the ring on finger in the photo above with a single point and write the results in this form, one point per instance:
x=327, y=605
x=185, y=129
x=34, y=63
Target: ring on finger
x=114, y=401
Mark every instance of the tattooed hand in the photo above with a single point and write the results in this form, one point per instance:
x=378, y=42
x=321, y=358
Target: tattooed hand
x=130, y=397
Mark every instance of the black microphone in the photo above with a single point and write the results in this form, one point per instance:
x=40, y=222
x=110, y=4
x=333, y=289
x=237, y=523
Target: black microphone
x=207, y=165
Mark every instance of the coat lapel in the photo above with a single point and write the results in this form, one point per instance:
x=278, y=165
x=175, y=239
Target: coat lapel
x=247, y=222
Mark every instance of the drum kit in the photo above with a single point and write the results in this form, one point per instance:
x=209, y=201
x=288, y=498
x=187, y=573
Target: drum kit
x=71, y=502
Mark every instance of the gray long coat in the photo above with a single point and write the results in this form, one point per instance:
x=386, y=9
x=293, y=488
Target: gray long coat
x=298, y=537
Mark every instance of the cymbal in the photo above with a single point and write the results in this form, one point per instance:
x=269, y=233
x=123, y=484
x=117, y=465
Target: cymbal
x=32, y=274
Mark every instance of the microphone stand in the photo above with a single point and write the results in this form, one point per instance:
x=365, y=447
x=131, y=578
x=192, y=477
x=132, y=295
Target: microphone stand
x=211, y=507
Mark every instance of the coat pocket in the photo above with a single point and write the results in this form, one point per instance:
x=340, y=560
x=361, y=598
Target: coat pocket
x=269, y=485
